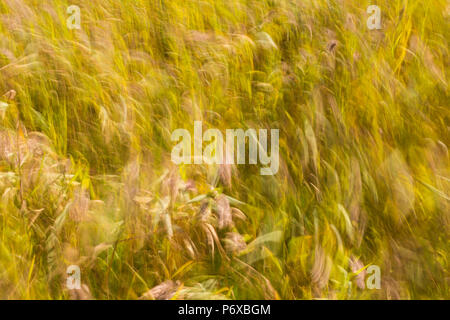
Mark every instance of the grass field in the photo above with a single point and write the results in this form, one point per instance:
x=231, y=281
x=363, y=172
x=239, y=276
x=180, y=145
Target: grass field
x=86, y=176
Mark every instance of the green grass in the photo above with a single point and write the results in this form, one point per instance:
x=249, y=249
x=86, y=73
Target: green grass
x=85, y=170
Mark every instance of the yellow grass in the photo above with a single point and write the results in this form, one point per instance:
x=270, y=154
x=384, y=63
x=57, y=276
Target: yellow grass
x=86, y=176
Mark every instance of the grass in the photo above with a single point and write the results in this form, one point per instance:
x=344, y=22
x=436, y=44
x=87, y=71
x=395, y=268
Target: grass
x=86, y=177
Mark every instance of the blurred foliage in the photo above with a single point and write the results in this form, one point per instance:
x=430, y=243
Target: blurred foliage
x=85, y=170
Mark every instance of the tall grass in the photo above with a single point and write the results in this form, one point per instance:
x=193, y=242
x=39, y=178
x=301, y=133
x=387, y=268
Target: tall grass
x=85, y=170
